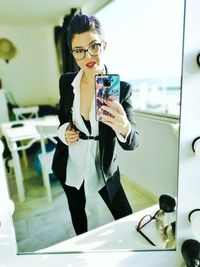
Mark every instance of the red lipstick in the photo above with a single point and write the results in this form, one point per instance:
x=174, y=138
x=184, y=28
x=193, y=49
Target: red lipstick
x=91, y=64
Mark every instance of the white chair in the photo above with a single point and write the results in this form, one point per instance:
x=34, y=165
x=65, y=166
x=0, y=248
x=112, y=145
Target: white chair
x=47, y=132
x=26, y=112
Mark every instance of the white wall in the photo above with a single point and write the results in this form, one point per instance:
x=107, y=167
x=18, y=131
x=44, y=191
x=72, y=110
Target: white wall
x=189, y=182
x=154, y=164
x=32, y=76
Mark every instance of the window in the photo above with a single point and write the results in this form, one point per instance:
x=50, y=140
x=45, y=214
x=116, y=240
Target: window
x=145, y=48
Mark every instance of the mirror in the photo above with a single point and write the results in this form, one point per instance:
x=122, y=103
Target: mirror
x=145, y=47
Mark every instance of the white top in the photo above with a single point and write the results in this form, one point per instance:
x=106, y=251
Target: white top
x=81, y=162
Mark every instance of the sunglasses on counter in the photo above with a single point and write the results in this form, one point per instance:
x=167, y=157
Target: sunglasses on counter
x=146, y=219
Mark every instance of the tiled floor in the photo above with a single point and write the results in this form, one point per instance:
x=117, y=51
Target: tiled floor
x=39, y=224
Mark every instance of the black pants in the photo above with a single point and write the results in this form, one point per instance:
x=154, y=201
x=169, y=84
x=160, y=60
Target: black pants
x=119, y=207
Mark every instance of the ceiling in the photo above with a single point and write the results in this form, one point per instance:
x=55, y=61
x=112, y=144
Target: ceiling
x=37, y=12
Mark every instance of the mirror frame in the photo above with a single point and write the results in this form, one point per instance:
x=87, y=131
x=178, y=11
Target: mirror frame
x=188, y=189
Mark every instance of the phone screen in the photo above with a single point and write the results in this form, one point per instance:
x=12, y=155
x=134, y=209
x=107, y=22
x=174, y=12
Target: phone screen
x=106, y=87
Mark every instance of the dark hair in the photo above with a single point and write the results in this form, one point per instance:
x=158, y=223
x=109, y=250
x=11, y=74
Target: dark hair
x=81, y=23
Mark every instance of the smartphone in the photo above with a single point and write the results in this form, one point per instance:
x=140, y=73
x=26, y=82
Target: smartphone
x=106, y=87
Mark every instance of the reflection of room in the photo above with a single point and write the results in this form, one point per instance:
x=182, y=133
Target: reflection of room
x=32, y=215
x=35, y=218
x=31, y=78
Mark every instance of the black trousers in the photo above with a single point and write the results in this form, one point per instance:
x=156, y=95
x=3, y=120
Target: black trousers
x=119, y=207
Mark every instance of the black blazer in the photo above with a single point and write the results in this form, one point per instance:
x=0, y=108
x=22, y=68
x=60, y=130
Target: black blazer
x=107, y=137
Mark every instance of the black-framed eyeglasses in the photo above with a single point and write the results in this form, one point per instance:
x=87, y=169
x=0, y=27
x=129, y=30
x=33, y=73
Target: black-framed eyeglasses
x=93, y=50
x=146, y=219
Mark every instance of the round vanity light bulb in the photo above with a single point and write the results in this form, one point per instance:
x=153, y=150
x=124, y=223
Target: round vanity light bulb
x=198, y=60
x=196, y=146
x=190, y=250
x=194, y=218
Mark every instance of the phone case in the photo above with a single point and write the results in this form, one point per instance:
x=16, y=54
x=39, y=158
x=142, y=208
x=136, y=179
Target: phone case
x=106, y=87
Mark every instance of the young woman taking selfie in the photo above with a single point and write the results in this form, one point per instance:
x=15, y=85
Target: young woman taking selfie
x=85, y=160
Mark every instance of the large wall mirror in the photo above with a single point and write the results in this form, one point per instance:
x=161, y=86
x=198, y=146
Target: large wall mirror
x=145, y=40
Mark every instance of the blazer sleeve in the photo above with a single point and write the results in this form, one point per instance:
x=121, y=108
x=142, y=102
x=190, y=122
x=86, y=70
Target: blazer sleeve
x=66, y=97
x=132, y=141
x=66, y=100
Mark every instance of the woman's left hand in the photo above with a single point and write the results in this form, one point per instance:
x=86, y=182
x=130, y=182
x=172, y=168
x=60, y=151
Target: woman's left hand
x=118, y=121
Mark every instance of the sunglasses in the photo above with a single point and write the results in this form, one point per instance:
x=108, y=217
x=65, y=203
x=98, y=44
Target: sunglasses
x=146, y=219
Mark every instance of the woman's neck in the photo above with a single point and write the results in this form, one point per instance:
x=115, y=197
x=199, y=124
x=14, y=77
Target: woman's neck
x=88, y=77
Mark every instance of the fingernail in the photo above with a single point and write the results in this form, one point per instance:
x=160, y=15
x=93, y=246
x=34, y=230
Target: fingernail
x=109, y=99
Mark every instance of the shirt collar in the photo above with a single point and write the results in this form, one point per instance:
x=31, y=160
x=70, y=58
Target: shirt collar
x=77, y=80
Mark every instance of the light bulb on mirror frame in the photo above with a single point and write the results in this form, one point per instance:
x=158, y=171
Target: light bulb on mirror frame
x=194, y=219
x=190, y=250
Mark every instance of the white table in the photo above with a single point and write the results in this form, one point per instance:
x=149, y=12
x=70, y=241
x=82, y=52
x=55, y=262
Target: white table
x=26, y=132
x=120, y=235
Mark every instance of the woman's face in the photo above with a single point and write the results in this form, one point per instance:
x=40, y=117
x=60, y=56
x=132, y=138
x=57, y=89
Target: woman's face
x=89, y=64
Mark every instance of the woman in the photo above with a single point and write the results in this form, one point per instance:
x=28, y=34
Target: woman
x=85, y=160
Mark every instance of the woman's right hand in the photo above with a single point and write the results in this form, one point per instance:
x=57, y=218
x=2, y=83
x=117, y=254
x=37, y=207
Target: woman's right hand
x=71, y=135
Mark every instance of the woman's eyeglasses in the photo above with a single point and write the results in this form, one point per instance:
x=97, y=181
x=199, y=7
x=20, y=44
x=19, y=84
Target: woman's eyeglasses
x=144, y=221
x=93, y=50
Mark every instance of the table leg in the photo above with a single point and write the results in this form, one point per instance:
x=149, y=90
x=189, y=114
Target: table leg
x=18, y=175
x=24, y=156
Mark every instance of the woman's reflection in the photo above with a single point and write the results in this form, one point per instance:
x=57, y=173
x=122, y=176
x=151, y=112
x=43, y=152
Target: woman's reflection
x=85, y=160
